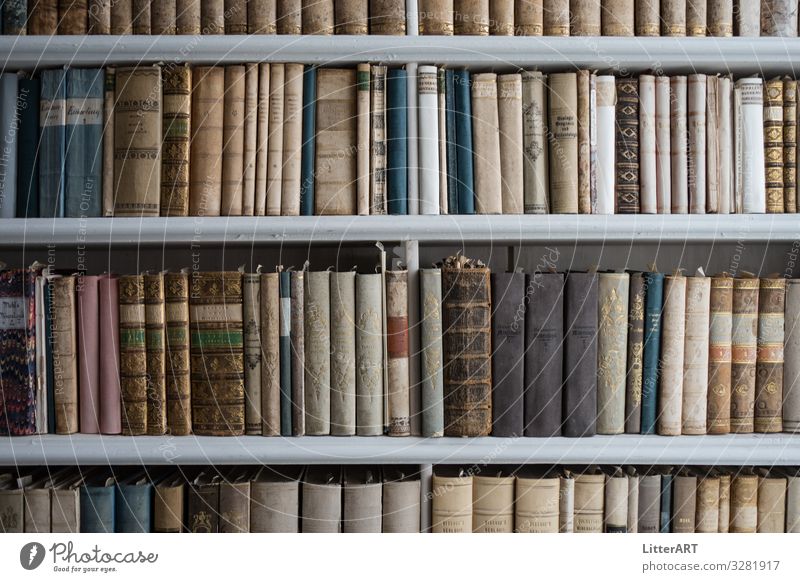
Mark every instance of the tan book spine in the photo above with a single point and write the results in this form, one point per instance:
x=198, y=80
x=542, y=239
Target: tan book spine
x=771, y=504
x=73, y=17
x=292, y=139
x=536, y=505
x=162, y=16
x=451, y=510
x=769, y=361
x=168, y=508
x=317, y=16
x=648, y=18
x=486, y=144
x=696, y=18
x=679, y=144
x=509, y=100
x=793, y=505
x=684, y=503
x=744, y=349
x=351, y=17
x=720, y=18
x=317, y=340
x=555, y=17
x=563, y=140
x=719, y=355
x=471, y=17
x=289, y=17
x=618, y=18
x=99, y=17
x=791, y=380
x=615, y=518
x=712, y=145
x=744, y=504
x=270, y=355
x=492, y=504
x=673, y=17
x=584, y=86
x=397, y=350
x=670, y=395
x=566, y=504
x=612, y=348
x=205, y=165
x=633, y=503
x=696, y=126
x=179, y=390
x=235, y=16
x=122, y=17
x=528, y=17
x=250, y=139
x=233, y=141
x=725, y=132
x=262, y=171
x=363, y=71
x=585, y=17
x=212, y=16
x=535, y=142
x=109, y=166
x=401, y=501
x=436, y=17
x=707, y=519
x=155, y=340
x=176, y=144
x=773, y=143
x=187, y=17
x=724, y=503
x=261, y=17
x=589, y=503
x=501, y=17
x=137, y=141
x=695, y=355
x=251, y=309
x=142, y=17
x=387, y=17
x=133, y=354
x=64, y=353
x=789, y=145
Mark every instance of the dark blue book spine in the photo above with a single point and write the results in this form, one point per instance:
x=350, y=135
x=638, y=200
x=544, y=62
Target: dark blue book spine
x=52, y=120
x=307, y=153
x=666, y=503
x=51, y=377
x=9, y=126
x=28, y=149
x=97, y=509
x=463, y=117
x=84, y=151
x=396, y=142
x=654, y=297
x=450, y=137
x=15, y=15
x=134, y=508
x=285, y=349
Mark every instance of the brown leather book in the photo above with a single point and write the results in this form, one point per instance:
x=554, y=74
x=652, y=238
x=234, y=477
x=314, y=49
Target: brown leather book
x=769, y=364
x=175, y=148
x=168, y=504
x=187, y=17
x=627, y=166
x=317, y=16
x=205, y=165
x=99, y=16
x=236, y=16
x=467, y=309
x=719, y=355
x=387, y=17
x=789, y=145
x=261, y=17
x=744, y=352
x=744, y=503
x=212, y=16
x=471, y=17
x=773, y=143
x=176, y=296
x=122, y=17
x=618, y=18
x=684, y=503
x=43, y=18
x=289, y=17
x=64, y=353
x=436, y=17
x=673, y=17
x=155, y=341
x=142, y=17
x=73, y=16
x=556, y=17
x=133, y=354
x=648, y=18
x=720, y=17
x=202, y=504
x=270, y=355
x=528, y=17
x=163, y=14
x=707, y=518
x=586, y=17
x=501, y=18
x=696, y=18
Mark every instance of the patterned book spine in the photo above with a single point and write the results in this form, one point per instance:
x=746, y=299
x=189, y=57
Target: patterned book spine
x=648, y=18
x=612, y=340
x=396, y=142
x=627, y=166
x=695, y=356
x=769, y=365
x=43, y=18
x=789, y=145
x=217, y=355
x=464, y=157
x=432, y=374
x=110, y=384
x=202, y=514
x=177, y=84
x=436, y=17
x=744, y=504
x=634, y=382
x=292, y=139
x=122, y=17
x=307, y=154
x=72, y=16
x=88, y=334
x=492, y=504
x=397, y=351
x=133, y=354
x=779, y=18
x=589, y=498
x=351, y=17
x=110, y=98
x=9, y=127
x=618, y=18
x=580, y=355
x=744, y=353
x=707, y=520
x=285, y=352
x=235, y=16
x=289, y=17
x=471, y=17
x=52, y=121
x=318, y=17
x=508, y=349
x=212, y=16
x=584, y=84
x=176, y=317
x=317, y=322
x=28, y=144
x=205, y=156
x=773, y=143
x=719, y=355
x=536, y=505
x=670, y=394
x=563, y=142
x=155, y=340
x=233, y=141
x=271, y=367
x=187, y=19
x=696, y=18
x=343, y=353
x=261, y=17
x=673, y=18
x=534, y=143
x=720, y=18
x=163, y=15
x=377, y=174
x=100, y=17
x=83, y=180
x=251, y=307
x=369, y=355
x=298, y=346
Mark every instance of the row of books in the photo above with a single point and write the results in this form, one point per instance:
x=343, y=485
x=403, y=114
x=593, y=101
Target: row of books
x=193, y=17
x=306, y=352
x=284, y=139
x=362, y=499
x=609, y=17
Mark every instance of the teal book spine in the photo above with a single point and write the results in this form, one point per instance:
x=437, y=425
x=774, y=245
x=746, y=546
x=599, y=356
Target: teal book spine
x=396, y=142
x=9, y=121
x=15, y=17
x=666, y=503
x=307, y=151
x=285, y=350
x=450, y=140
x=52, y=121
x=463, y=122
x=133, y=508
x=84, y=151
x=28, y=149
x=97, y=509
x=654, y=299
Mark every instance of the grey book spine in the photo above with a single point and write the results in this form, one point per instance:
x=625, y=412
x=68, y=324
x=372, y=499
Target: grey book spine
x=508, y=349
x=362, y=510
x=580, y=357
x=317, y=353
x=343, y=353
x=432, y=378
x=275, y=507
x=649, y=503
x=369, y=355
x=401, y=506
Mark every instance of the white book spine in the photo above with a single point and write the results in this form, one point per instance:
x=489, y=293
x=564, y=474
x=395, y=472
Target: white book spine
x=725, y=133
x=663, y=146
x=606, y=135
x=696, y=126
x=750, y=183
x=679, y=141
x=647, y=145
x=413, y=143
x=428, y=139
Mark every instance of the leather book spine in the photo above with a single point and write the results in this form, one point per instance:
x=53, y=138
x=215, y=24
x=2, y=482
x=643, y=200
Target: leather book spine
x=648, y=151
x=696, y=18
x=73, y=17
x=289, y=17
x=233, y=141
x=285, y=352
x=343, y=353
x=673, y=18
x=133, y=354
x=377, y=160
x=432, y=372
x=627, y=167
x=501, y=18
x=647, y=15
x=155, y=343
x=234, y=507
x=670, y=394
x=719, y=355
x=744, y=350
x=142, y=17
x=467, y=345
x=528, y=17
x=15, y=17
x=261, y=17
x=369, y=355
x=684, y=504
x=679, y=144
x=363, y=96
x=612, y=348
x=556, y=21
x=768, y=413
x=427, y=138
x=275, y=506
x=362, y=511
x=101, y=518
x=791, y=378
x=351, y=17
x=451, y=510
x=322, y=507
x=109, y=100
x=317, y=17
x=618, y=18
x=589, y=503
x=563, y=142
x=696, y=125
x=270, y=316
x=464, y=151
x=544, y=355
x=773, y=143
x=109, y=373
x=235, y=17
x=744, y=504
x=387, y=17
x=168, y=508
x=202, y=512
x=205, y=163
x=749, y=146
x=471, y=17
x=534, y=143
x=634, y=379
x=720, y=18
x=179, y=391
x=789, y=145
x=292, y=139
x=217, y=355
x=707, y=520
x=724, y=503
x=649, y=503
x=663, y=145
x=508, y=352
x=277, y=88
x=584, y=84
x=88, y=334
x=398, y=395
x=122, y=17
x=536, y=505
x=52, y=150
x=585, y=17
x=400, y=504
x=492, y=504
x=187, y=19
x=771, y=504
x=43, y=18
x=615, y=506
x=251, y=310
x=436, y=17
x=212, y=16
x=317, y=321
x=779, y=18
x=163, y=16
x=308, y=149
x=298, y=353
x=580, y=355
x=176, y=144
x=695, y=356
x=509, y=99
x=606, y=124
x=486, y=141
x=566, y=504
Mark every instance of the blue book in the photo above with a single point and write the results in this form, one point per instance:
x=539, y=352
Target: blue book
x=285, y=352
x=97, y=507
x=450, y=137
x=396, y=142
x=28, y=149
x=15, y=16
x=52, y=121
x=654, y=299
x=133, y=505
x=463, y=115
x=666, y=503
x=307, y=151
x=9, y=87
x=84, y=150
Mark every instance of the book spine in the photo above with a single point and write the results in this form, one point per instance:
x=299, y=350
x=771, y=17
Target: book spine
x=585, y=18
x=65, y=510
x=142, y=18
x=176, y=143
x=451, y=510
x=633, y=503
x=397, y=351
x=615, y=506
x=580, y=355
x=261, y=17
x=378, y=157
x=555, y=20
x=362, y=508
x=251, y=126
x=779, y=18
x=101, y=518
x=648, y=18
x=508, y=345
x=793, y=505
x=666, y=504
x=436, y=17
x=563, y=142
x=401, y=512
x=271, y=354
x=88, y=332
x=351, y=17
x=289, y=17
x=110, y=362
x=322, y=507
x=492, y=504
x=133, y=508
x=442, y=114
x=318, y=17
x=298, y=357
x=343, y=353
x=673, y=18
x=317, y=353
x=432, y=377
x=133, y=354
x=612, y=343
x=52, y=122
x=292, y=139
x=663, y=146
x=84, y=134
x=712, y=153
x=769, y=364
x=670, y=394
x=719, y=356
x=566, y=505
x=679, y=148
x=750, y=185
x=187, y=19
x=262, y=152
x=43, y=18
x=48, y=309
x=791, y=396
x=212, y=16
x=428, y=135
x=275, y=507
x=744, y=504
x=486, y=143
x=464, y=152
x=205, y=159
x=307, y=153
x=509, y=94
x=233, y=140
x=789, y=145
x=28, y=144
x=155, y=340
x=72, y=17
x=9, y=127
x=251, y=306
x=720, y=18
x=696, y=18
x=618, y=18
x=627, y=146
x=589, y=498
x=168, y=508
x=534, y=143
x=695, y=356
x=528, y=18
x=396, y=142
x=15, y=16
x=176, y=317
x=635, y=367
x=471, y=17
x=234, y=507
x=363, y=177
x=724, y=503
x=654, y=300
x=235, y=16
x=684, y=504
x=649, y=503
x=163, y=16
x=771, y=504
x=773, y=143
x=501, y=18
x=707, y=520
x=696, y=126
x=369, y=355
x=285, y=353
x=109, y=99
x=122, y=17
x=451, y=152
x=744, y=353
x=584, y=85
x=725, y=138
x=202, y=515
x=605, y=202
x=536, y=505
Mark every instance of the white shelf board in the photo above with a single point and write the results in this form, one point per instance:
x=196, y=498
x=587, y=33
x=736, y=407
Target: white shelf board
x=762, y=450
x=736, y=55
x=495, y=229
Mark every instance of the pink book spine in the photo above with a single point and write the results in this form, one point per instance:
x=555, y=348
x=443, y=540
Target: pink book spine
x=88, y=354
x=110, y=391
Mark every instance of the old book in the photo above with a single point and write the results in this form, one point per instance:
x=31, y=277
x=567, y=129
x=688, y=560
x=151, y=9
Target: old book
x=555, y=17
x=585, y=18
x=789, y=145
x=217, y=356
x=64, y=353
x=589, y=502
x=612, y=340
x=536, y=184
x=251, y=123
x=212, y=16
x=292, y=139
x=234, y=502
x=724, y=502
x=275, y=501
x=271, y=362
x=233, y=141
x=720, y=18
x=666, y=501
x=72, y=16
x=471, y=17
x=288, y=16
x=155, y=343
x=436, y=17
x=176, y=126
x=696, y=126
x=261, y=17
x=744, y=503
x=791, y=372
x=401, y=500
x=508, y=349
x=580, y=354
x=486, y=143
x=251, y=339
x=695, y=355
x=563, y=141
x=235, y=17
x=725, y=134
x=779, y=18
x=137, y=141
x=97, y=492
x=501, y=18
x=707, y=517
x=467, y=342
x=297, y=339
x=663, y=145
x=343, y=353
x=769, y=360
x=43, y=18
x=64, y=501
x=654, y=301
x=773, y=143
x=566, y=503
x=318, y=17
x=679, y=138
x=536, y=504
x=635, y=354
x=335, y=184
x=696, y=18
x=110, y=363
x=362, y=500
x=712, y=153
x=205, y=164
x=387, y=17
x=684, y=503
x=322, y=501
x=544, y=355
x=15, y=17
x=108, y=141
x=369, y=355
x=351, y=17
x=163, y=16
x=463, y=138
x=673, y=18
x=176, y=316
x=647, y=17
x=744, y=353
x=431, y=360
x=750, y=178
x=771, y=503
x=586, y=82
x=378, y=153
x=142, y=18
x=28, y=145
x=133, y=354
x=397, y=351
x=202, y=503
x=649, y=503
x=606, y=198
x=793, y=504
x=719, y=355
x=648, y=169
x=670, y=394
x=9, y=125
x=428, y=139
x=52, y=144
x=633, y=500
x=309, y=147
x=12, y=509
x=493, y=503
x=187, y=17
x=451, y=510
x=615, y=504
x=168, y=504
x=317, y=347
x=528, y=17
x=627, y=146
x=274, y=175
x=618, y=18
